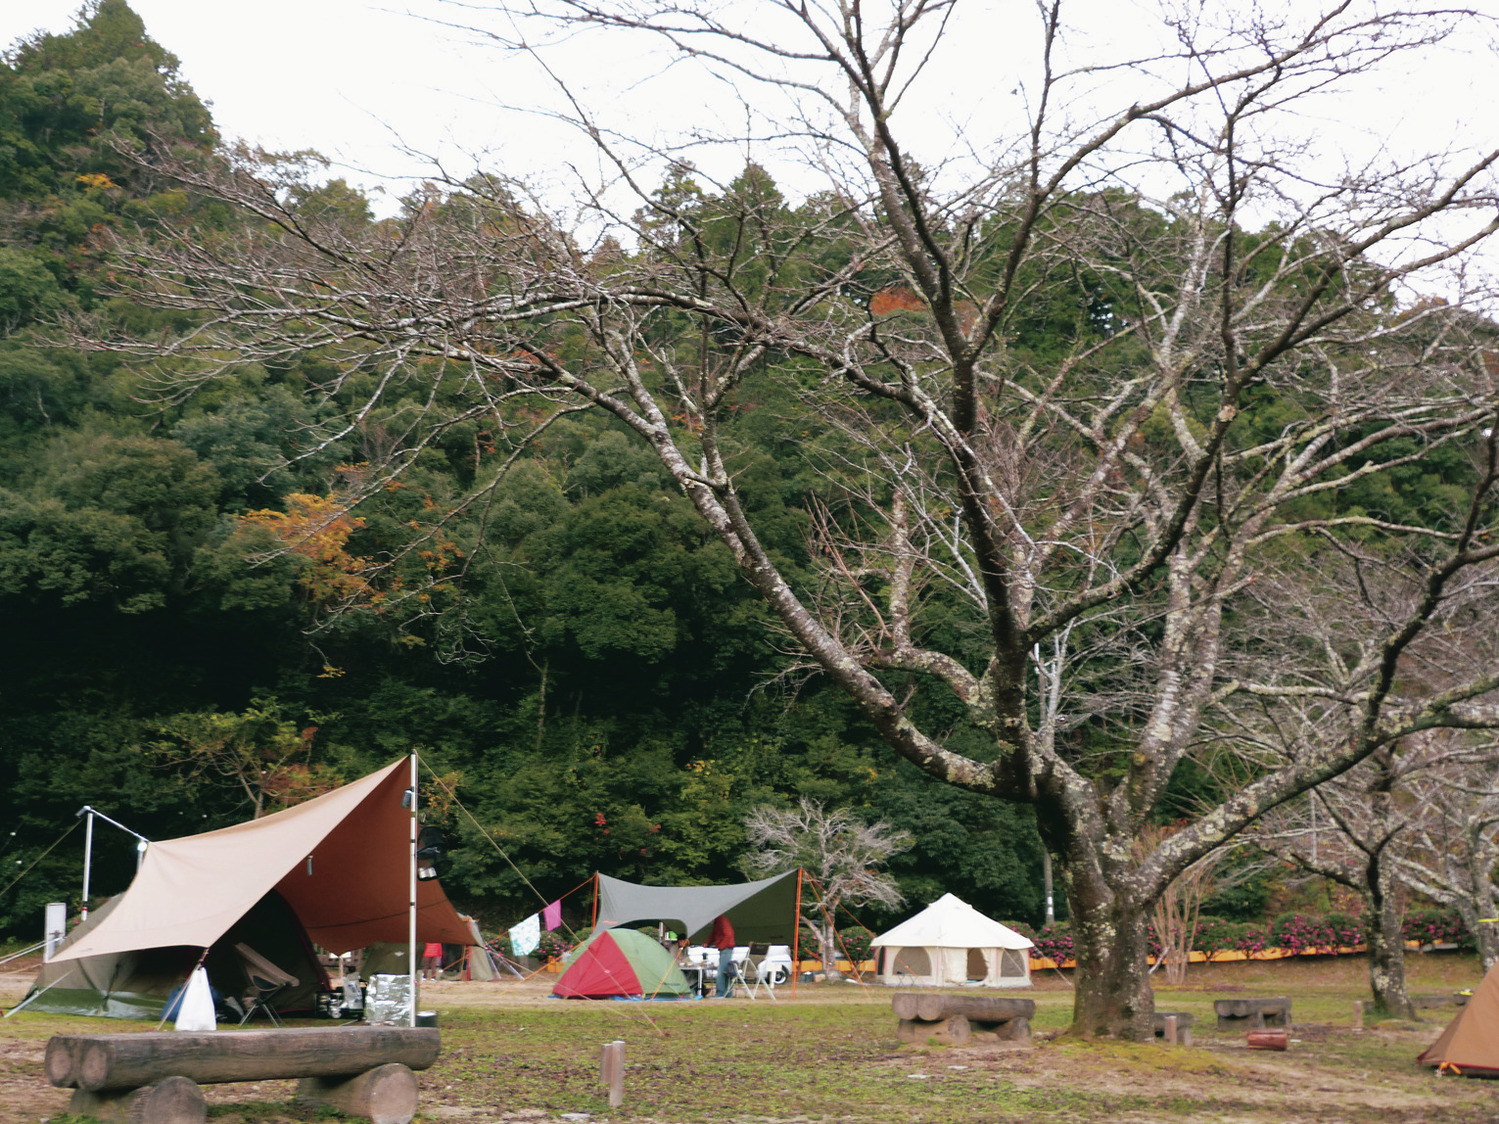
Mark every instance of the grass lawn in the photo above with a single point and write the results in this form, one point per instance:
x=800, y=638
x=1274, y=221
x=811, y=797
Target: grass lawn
x=830, y=1054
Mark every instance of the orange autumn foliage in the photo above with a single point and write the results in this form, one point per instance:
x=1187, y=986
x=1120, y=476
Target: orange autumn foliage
x=898, y=299
x=318, y=529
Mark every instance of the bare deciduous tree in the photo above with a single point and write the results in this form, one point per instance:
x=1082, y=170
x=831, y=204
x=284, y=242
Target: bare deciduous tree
x=840, y=851
x=1175, y=913
x=1356, y=844
x=1453, y=846
x=1099, y=379
x=1316, y=643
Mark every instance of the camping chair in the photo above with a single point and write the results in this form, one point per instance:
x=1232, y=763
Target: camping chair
x=267, y=982
x=741, y=970
x=745, y=967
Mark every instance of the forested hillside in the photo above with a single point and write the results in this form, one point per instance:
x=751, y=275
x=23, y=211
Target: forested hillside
x=194, y=633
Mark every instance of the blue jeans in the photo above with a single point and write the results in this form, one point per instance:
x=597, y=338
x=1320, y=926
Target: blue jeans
x=725, y=966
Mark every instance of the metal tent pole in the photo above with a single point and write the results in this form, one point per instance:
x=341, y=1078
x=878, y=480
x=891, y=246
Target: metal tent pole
x=88, y=855
x=88, y=846
x=411, y=933
x=796, y=935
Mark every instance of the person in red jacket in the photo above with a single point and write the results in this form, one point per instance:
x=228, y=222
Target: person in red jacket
x=722, y=938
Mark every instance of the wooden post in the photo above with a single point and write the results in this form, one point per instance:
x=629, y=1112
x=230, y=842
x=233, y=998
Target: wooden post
x=172, y=1100
x=1358, y=1014
x=385, y=1094
x=1170, y=1035
x=612, y=1070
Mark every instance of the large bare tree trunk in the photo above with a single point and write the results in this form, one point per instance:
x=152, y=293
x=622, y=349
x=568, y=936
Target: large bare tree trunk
x=1113, y=996
x=1385, y=937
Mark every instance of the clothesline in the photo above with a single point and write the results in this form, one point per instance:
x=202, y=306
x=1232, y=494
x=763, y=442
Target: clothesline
x=525, y=935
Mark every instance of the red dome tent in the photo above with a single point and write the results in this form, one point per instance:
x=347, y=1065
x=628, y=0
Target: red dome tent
x=621, y=964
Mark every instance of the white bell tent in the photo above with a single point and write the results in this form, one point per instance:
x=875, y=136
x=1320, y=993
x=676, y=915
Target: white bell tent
x=951, y=944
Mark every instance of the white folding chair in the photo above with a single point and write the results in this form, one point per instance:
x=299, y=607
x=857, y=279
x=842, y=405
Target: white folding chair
x=742, y=970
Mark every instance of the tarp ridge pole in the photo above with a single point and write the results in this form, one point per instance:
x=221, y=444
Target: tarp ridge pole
x=88, y=855
x=796, y=934
x=411, y=931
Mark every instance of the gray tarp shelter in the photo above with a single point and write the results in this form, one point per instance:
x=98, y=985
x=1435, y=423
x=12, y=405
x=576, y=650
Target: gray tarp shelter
x=763, y=911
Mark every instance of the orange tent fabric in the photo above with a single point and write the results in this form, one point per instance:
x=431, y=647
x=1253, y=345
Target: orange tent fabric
x=1470, y=1044
x=341, y=860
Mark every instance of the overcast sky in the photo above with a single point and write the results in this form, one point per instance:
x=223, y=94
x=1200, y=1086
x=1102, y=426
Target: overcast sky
x=356, y=80
x=346, y=77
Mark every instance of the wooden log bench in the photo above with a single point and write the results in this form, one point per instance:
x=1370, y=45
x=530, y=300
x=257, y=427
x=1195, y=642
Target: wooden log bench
x=955, y=1020
x=1426, y=1002
x=1236, y=1014
x=153, y=1077
x=1184, y=1020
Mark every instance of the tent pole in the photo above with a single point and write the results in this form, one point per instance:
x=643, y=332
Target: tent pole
x=411, y=929
x=88, y=855
x=595, y=923
x=90, y=811
x=796, y=935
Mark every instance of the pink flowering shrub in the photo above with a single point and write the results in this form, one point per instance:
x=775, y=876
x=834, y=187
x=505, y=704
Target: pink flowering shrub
x=1436, y=926
x=1215, y=935
x=1254, y=938
x=551, y=946
x=854, y=943
x=1344, y=930
x=1054, y=941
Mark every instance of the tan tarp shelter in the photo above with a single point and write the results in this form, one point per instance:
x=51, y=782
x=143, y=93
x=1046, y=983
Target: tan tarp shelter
x=138, y=984
x=1470, y=1044
x=341, y=862
x=951, y=944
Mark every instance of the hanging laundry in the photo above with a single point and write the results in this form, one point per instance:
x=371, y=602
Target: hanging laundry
x=552, y=915
x=526, y=935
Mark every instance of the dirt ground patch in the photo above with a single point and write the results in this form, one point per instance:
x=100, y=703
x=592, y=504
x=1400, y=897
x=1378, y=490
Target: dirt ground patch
x=511, y=1054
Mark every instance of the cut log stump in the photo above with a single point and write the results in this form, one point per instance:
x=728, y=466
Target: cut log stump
x=171, y=1100
x=956, y=1031
x=1268, y=1039
x=933, y=1008
x=386, y=1094
x=954, y=1020
x=1016, y=1030
x=61, y=1062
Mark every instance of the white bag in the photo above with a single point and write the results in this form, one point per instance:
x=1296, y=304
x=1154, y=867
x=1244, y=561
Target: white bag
x=196, y=1009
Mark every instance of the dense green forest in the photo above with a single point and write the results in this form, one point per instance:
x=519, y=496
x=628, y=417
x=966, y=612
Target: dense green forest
x=578, y=658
